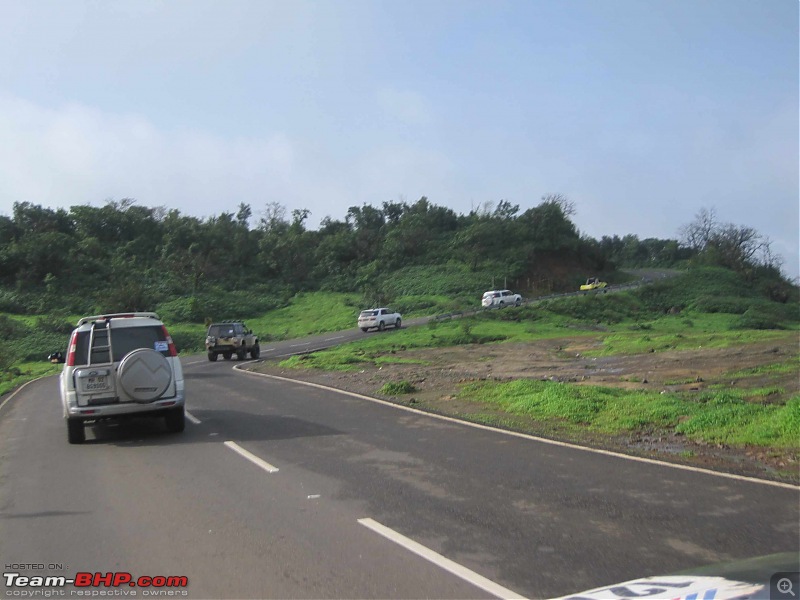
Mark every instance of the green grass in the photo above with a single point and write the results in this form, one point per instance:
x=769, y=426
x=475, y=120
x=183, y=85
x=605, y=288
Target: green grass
x=671, y=333
x=397, y=388
x=380, y=348
x=714, y=417
x=778, y=368
x=308, y=314
x=24, y=372
x=455, y=281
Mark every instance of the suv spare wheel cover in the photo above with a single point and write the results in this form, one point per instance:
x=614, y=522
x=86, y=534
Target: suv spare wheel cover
x=144, y=374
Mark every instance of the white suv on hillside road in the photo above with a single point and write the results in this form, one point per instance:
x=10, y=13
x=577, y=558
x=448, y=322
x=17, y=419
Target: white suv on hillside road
x=121, y=365
x=379, y=318
x=500, y=298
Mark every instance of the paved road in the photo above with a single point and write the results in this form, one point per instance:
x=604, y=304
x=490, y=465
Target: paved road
x=368, y=500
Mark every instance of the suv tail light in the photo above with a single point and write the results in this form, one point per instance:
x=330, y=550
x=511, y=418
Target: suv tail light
x=172, y=350
x=73, y=342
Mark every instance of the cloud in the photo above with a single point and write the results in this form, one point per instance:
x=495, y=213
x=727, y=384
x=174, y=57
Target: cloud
x=407, y=106
x=77, y=155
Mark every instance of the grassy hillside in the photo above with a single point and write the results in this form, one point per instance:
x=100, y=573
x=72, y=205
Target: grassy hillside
x=712, y=307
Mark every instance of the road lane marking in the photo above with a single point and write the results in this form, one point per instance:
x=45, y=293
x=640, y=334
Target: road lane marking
x=303, y=344
x=196, y=362
x=251, y=457
x=440, y=561
x=641, y=459
x=192, y=418
x=338, y=337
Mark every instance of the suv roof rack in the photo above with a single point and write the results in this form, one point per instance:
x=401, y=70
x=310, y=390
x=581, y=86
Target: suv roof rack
x=108, y=317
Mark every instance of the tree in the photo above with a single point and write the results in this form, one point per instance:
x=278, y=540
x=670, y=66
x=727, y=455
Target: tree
x=728, y=245
x=243, y=215
x=566, y=205
x=698, y=233
x=735, y=245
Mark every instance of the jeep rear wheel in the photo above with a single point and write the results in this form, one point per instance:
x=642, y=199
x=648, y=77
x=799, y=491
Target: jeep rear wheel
x=76, y=434
x=174, y=419
x=255, y=352
x=241, y=353
x=212, y=356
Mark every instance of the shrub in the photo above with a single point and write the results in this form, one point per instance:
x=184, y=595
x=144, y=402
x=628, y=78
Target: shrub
x=183, y=310
x=36, y=345
x=11, y=329
x=723, y=304
x=186, y=341
x=11, y=302
x=396, y=388
x=598, y=308
x=54, y=324
x=755, y=319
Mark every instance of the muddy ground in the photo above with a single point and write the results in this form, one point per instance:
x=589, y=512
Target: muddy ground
x=438, y=381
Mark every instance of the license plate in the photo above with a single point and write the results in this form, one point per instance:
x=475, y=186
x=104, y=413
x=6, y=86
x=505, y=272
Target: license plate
x=96, y=383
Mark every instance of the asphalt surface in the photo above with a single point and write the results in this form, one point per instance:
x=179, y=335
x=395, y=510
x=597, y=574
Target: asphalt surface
x=494, y=515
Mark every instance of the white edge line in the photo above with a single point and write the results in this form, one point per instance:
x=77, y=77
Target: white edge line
x=192, y=418
x=440, y=561
x=526, y=436
x=195, y=362
x=251, y=457
x=19, y=389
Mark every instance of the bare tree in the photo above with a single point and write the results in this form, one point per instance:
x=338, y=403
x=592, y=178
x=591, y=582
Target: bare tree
x=566, y=205
x=729, y=245
x=273, y=217
x=736, y=244
x=697, y=234
x=768, y=258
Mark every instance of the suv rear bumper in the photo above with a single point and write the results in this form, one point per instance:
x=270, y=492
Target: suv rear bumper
x=223, y=348
x=120, y=410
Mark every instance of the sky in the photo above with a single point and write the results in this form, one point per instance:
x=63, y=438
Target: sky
x=641, y=112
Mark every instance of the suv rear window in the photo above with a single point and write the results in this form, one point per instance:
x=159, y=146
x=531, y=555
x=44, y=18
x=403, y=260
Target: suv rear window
x=123, y=340
x=221, y=331
x=369, y=313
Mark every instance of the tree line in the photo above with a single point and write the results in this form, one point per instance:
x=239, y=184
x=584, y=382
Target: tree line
x=124, y=256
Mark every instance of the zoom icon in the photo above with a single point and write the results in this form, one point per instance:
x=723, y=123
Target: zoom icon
x=784, y=586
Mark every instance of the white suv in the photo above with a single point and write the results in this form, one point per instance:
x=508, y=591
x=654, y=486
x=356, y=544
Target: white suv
x=379, y=318
x=500, y=298
x=121, y=365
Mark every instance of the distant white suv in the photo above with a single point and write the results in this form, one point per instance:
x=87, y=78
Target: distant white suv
x=121, y=365
x=500, y=298
x=379, y=318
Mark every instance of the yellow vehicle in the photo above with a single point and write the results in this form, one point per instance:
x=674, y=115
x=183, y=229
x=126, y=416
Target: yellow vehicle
x=593, y=283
